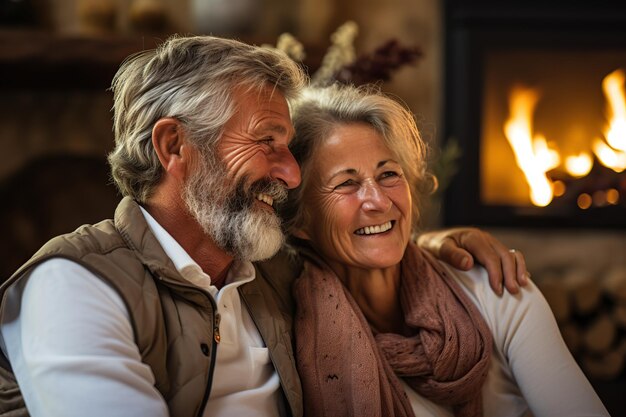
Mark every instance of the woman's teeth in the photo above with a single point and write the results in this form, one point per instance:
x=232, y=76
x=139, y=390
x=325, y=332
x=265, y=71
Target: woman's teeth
x=266, y=199
x=371, y=230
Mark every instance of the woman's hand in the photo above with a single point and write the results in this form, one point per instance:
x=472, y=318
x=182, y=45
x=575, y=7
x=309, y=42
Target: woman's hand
x=460, y=246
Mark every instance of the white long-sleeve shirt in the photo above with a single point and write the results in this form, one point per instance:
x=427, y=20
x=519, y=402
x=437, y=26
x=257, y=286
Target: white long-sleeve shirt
x=532, y=372
x=69, y=339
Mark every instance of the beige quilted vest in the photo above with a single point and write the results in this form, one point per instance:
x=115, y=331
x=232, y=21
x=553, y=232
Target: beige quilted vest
x=126, y=255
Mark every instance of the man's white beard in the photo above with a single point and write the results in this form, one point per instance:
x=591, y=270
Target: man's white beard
x=226, y=212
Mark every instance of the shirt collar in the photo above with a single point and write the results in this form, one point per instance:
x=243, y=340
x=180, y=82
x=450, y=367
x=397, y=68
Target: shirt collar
x=180, y=258
x=239, y=272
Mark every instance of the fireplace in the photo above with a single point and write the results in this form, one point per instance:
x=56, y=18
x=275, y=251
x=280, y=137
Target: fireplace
x=535, y=97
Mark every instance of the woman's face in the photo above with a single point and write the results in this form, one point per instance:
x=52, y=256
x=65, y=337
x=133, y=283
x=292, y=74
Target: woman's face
x=357, y=201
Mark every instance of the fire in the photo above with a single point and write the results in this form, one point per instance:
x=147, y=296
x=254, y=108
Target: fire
x=546, y=157
x=579, y=165
x=613, y=155
x=536, y=156
x=608, y=156
x=532, y=153
x=613, y=87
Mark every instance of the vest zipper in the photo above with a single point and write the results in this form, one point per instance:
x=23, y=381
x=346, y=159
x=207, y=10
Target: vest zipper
x=216, y=328
x=214, y=342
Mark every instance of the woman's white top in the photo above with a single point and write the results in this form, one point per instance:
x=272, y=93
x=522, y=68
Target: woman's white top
x=532, y=372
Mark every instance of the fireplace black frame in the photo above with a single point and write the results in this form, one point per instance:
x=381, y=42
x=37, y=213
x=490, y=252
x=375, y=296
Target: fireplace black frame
x=471, y=28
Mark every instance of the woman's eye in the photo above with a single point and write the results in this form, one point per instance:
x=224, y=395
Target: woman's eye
x=389, y=177
x=345, y=184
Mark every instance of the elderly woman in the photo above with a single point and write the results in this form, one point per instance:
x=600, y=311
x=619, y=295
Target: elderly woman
x=382, y=328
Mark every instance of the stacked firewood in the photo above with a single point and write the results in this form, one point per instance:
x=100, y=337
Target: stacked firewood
x=591, y=313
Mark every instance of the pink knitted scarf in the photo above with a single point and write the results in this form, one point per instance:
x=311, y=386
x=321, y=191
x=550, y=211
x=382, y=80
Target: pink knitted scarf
x=347, y=371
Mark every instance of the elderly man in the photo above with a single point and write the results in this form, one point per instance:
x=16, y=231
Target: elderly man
x=160, y=310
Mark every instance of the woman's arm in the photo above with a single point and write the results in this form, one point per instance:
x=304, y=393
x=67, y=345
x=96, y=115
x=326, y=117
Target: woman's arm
x=530, y=343
x=460, y=246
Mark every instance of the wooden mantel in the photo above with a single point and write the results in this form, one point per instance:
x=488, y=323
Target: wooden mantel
x=40, y=60
x=43, y=60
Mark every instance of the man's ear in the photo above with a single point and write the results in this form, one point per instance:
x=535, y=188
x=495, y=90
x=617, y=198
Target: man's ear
x=169, y=143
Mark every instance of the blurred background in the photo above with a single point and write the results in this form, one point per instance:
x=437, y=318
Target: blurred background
x=523, y=105
x=57, y=60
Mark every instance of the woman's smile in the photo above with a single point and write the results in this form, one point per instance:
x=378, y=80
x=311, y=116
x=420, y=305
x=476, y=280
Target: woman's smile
x=375, y=230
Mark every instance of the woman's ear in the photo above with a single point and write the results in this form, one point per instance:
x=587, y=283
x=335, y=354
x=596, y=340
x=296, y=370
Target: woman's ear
x=168, y=141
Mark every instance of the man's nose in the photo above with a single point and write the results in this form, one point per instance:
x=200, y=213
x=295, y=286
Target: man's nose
x=374, y=197
x=285, y=168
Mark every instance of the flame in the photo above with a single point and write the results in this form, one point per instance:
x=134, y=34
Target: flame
x=546, y=157
x=531, y=154
x=613, y=87
x=608, y=156
x=613, y=155
x=579, y=165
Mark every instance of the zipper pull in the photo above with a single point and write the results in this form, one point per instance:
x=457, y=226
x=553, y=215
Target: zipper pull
x=216, y=328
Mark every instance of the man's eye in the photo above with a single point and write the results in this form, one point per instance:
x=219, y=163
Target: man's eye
x=268, y=140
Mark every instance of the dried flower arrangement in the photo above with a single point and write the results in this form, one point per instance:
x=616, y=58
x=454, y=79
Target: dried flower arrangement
x=341, y=63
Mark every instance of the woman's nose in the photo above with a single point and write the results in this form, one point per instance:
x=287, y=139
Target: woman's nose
x=285, y=168
x=374, y=198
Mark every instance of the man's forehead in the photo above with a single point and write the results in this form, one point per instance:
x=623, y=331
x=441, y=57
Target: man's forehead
x=266, y=100
x=265, y=95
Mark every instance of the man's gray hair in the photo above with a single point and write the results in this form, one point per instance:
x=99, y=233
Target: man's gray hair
x=190, y=79
x=320, y=110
